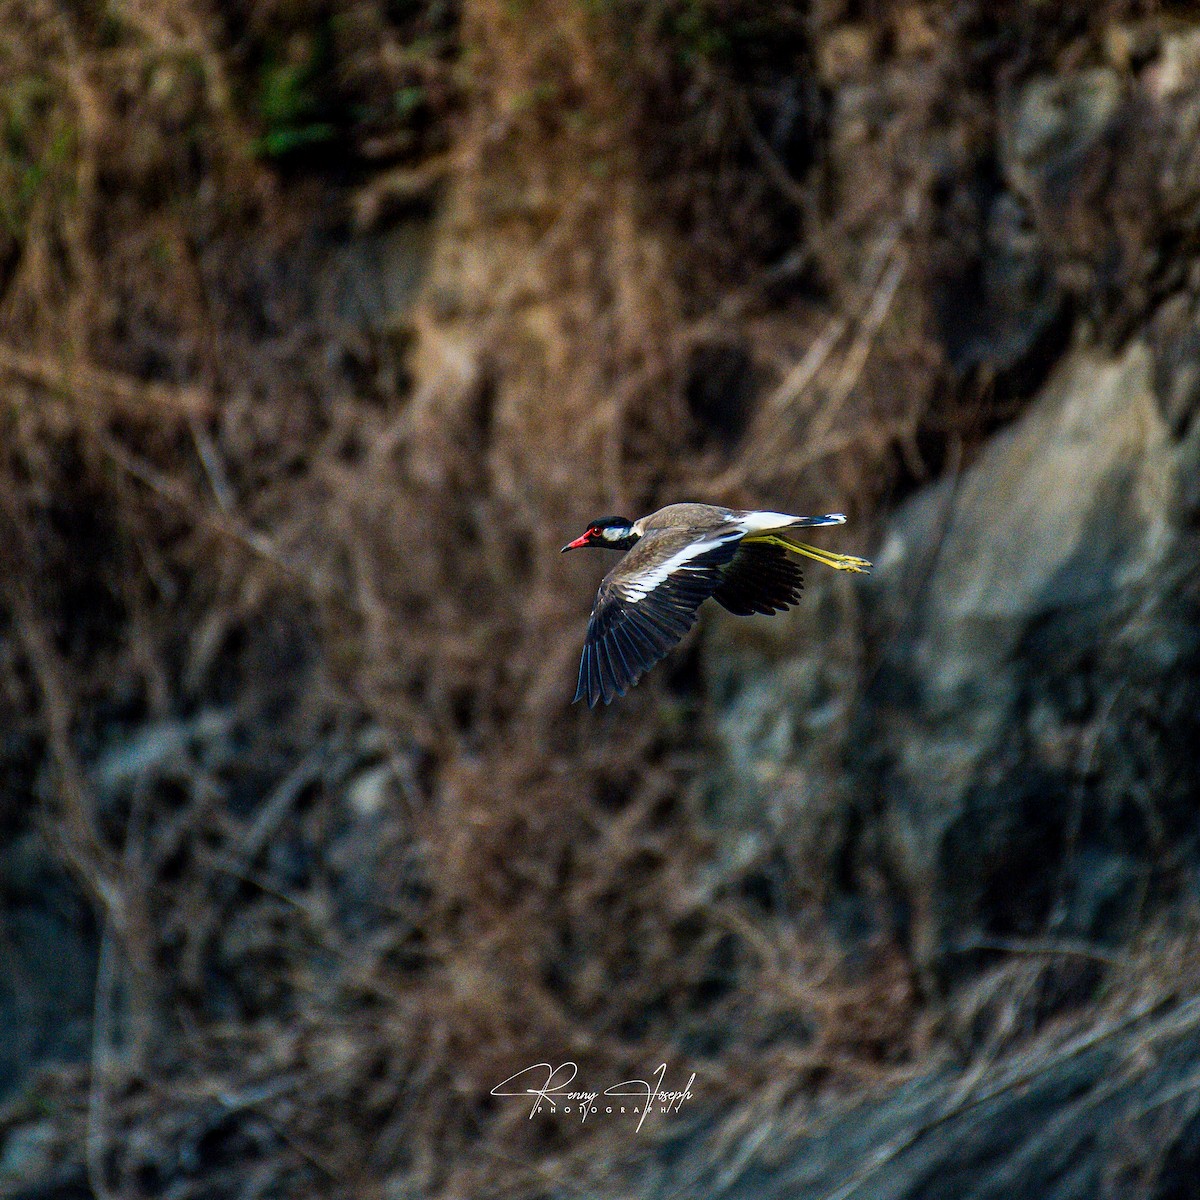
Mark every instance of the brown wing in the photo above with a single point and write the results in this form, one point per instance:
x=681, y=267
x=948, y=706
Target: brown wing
x=761, y=578
x=644, y=607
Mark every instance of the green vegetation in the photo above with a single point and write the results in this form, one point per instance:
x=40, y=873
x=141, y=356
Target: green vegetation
x=696, y=31
x=288, y=99
x=32, y=150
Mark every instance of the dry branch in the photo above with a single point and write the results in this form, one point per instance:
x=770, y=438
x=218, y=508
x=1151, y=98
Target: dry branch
x=97, y=392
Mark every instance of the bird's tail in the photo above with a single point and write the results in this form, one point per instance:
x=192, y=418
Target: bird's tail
x=808, y=522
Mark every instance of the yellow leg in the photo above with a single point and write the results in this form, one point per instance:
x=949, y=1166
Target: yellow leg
x=839, y=562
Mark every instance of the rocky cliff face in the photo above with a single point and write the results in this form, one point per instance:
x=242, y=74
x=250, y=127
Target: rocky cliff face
x=1040, y=619
x=1020, y=748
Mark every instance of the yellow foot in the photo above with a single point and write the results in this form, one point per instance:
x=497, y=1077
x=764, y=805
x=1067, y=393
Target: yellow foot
x=839, y=562
x=845, y=562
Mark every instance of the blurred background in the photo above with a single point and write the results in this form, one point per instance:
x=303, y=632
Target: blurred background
x=324, y=325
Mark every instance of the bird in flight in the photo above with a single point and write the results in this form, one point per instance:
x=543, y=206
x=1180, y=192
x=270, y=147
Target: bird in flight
x=678, y=557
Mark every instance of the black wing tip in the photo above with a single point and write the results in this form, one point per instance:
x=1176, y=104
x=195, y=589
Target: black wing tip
x=593, y=685
x=607, y=671
x=593, y=701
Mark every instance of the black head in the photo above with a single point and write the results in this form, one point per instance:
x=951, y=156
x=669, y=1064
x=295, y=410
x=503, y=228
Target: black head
x=610, y=533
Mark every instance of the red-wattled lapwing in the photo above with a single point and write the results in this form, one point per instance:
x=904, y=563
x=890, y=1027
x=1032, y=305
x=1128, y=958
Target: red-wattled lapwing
x=678, y=557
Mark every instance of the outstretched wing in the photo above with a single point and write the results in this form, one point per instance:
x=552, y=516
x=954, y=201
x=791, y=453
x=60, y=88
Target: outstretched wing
x=644, y=607
x=760, y=578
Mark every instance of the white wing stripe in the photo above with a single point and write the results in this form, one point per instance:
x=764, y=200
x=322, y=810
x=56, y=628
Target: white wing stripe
x=642, y=584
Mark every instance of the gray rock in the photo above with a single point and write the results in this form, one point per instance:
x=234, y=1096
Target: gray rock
x=1015, y=605
x=47, y=964
x=46, y=991
x=1020, y=761
x=1055, y=125
x=787, y=687
x=1175, y=338
x=1173, y=88
x=1074, y=1121
x=373, y=279
x=25, y=1151
x=1062, y=511
x=1017, y=302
